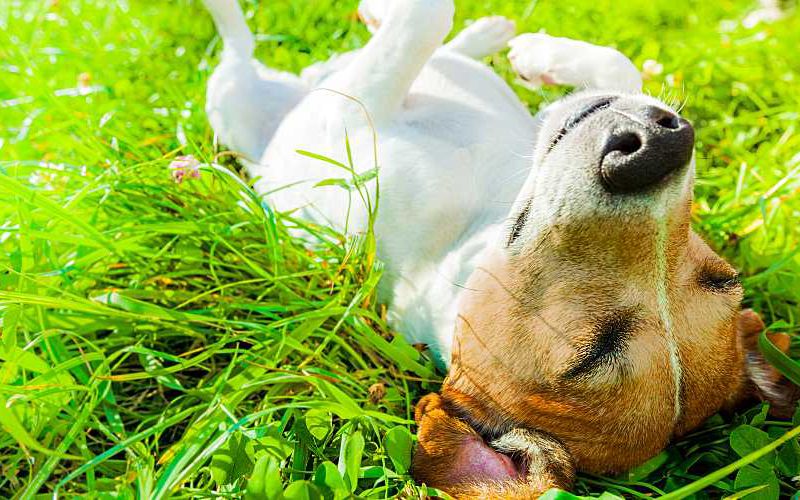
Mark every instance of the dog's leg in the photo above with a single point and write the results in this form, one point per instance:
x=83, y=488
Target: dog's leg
x=381, y=74
x=762, y=380
x=246, y=101
x=546, y=60
x=484, y=37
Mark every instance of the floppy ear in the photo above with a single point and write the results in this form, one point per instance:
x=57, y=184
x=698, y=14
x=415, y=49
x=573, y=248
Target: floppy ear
x=765, y=382
x=453, y=457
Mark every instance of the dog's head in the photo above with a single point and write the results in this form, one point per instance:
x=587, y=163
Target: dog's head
x=600, y=320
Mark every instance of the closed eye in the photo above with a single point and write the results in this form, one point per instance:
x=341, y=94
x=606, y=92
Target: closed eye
x=519, y=224
x=718, y=277
x=604, y=347
x=575, y=119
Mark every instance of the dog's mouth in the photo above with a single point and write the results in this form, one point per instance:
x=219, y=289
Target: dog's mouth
x=478, y=461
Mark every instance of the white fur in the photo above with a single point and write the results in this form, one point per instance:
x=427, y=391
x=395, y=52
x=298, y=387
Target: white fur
x=454, y=142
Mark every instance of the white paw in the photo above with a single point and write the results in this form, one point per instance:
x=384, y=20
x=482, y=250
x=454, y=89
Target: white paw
x=541, y=59
x=487, y=35
x=373, y=13
x=422, y=15
x=535, y=58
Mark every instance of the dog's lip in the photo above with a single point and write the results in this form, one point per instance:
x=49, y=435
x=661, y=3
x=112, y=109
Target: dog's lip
x=514, y=466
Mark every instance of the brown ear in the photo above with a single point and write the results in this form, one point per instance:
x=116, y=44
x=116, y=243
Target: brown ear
x=453, y=457
x=765, y=382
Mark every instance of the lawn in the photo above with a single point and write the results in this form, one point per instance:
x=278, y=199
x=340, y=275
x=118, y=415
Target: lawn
x=165, y=339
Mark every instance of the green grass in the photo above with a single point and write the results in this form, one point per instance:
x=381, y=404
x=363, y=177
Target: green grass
x=162, y=339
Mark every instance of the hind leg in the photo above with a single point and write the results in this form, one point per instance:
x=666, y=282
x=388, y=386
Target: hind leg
x=245, y=100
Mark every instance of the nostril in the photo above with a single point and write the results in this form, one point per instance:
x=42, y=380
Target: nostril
x=626, y=143
x=644, y=146
x=664, y=118
x=669, y=121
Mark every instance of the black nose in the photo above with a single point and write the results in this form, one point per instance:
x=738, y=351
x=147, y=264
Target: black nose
x=645, y=147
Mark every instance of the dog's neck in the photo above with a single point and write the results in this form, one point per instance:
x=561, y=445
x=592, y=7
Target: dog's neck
x=627, y=249
x=429, y=301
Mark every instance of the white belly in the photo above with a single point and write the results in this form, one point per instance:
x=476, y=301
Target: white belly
x=451, y=163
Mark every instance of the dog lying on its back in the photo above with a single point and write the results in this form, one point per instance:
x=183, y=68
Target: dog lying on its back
x=547, y=260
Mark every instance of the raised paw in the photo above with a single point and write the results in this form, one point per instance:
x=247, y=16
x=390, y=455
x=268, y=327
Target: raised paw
x=536, y=58
x=540, y=59
x=767, y=381
x=423, y=16
x=484, y=37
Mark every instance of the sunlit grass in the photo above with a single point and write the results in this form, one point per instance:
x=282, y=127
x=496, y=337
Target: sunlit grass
x=163, y=338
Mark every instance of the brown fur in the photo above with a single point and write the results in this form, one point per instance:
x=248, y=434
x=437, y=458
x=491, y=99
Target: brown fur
x=525, y=318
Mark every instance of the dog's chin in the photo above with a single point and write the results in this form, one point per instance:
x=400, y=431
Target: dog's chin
x=575, y=203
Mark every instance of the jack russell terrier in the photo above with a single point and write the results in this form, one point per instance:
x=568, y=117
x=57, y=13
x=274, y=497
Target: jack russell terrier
x=547, y=261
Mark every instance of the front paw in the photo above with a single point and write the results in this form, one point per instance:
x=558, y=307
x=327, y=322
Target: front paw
x=533, y=58
x=487, y=35
x=768, y=383
x=424, y=16
x=541, y=59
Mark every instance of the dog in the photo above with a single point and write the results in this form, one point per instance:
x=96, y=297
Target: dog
x=546, y=261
